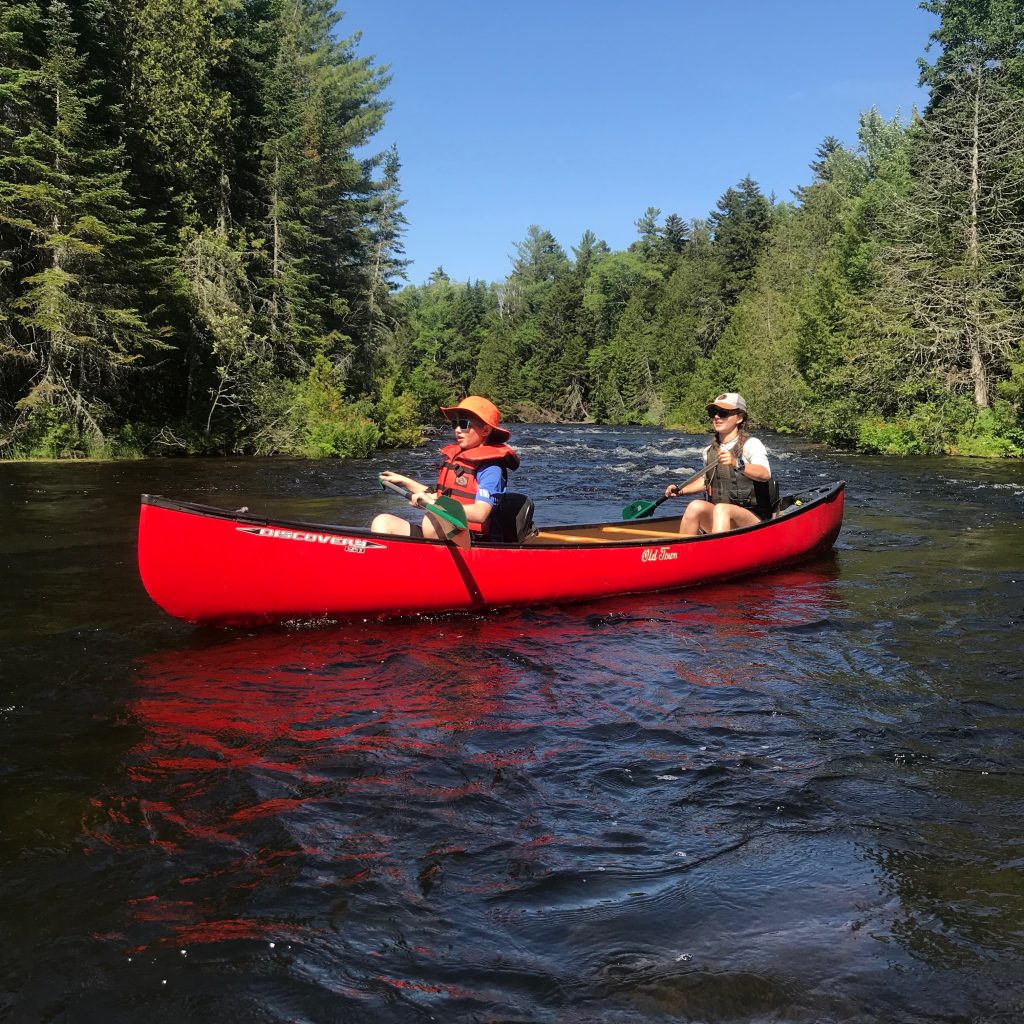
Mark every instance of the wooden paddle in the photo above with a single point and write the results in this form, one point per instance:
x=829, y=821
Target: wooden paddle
x=643, y=509
x=444, y=508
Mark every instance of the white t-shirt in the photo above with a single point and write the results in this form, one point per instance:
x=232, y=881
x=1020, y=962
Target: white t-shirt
x=754, y=452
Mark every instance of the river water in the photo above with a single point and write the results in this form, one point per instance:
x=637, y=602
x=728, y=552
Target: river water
x=798, y=797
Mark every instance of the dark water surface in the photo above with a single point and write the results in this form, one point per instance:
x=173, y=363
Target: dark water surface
x=793, y=798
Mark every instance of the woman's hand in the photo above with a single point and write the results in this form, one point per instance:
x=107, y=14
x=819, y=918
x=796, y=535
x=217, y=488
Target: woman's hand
x=671, y=491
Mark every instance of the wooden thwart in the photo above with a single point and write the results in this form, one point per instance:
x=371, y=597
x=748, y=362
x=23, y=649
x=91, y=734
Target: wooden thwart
x=575, y=538
x=639, y=532
x=629, y=532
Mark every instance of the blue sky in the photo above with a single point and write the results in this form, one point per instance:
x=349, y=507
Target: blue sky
x=577, y=114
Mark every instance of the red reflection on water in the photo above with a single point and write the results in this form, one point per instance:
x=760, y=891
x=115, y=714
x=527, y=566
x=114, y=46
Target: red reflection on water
x=228, y=705
x=242, y=928
x=297, y=759
x=430, y=988
x=759, y=605
x=247, y=743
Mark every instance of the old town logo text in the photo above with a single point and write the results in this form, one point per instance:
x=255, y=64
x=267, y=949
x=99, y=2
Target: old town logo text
x=658, y=555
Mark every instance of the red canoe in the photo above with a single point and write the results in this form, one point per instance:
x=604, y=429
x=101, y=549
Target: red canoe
x=213, y=567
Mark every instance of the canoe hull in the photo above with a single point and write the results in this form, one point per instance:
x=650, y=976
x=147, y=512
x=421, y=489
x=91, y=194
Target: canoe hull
x=212, y=567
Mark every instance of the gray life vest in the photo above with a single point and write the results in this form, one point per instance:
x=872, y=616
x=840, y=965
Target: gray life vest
x=730, y=486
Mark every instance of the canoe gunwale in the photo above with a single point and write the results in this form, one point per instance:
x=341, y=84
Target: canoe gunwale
x=814, y=497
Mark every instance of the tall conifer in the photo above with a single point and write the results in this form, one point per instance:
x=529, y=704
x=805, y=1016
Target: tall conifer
x=19, y=23
x=386, y=263
x=178, y=105
x=84, y=252
x=739, y=226
x=320, y=104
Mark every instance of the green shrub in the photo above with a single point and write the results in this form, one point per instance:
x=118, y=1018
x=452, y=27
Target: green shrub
x=129, y=442
x=397, y=416
x=923, y=432
x=328, y=426
x=430, y=388
x=888, y=437
x=993, y=433
x=349, y=434
x=952, y=426
x=46, y=434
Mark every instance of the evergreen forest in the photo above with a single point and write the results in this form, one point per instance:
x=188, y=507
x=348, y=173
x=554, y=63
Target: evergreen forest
x=201, y=252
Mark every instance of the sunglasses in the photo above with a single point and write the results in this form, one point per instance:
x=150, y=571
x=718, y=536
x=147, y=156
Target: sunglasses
x=463, y=423
x=721, y=413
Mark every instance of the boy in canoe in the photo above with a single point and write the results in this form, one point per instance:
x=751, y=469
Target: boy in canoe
x=474, y=471
x=737, y=475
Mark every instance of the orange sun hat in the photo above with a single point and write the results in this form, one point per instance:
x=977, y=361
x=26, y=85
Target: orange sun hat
x=483, y=410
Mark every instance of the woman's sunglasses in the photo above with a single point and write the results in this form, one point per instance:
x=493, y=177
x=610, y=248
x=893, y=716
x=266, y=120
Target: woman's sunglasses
x=721, y=413
x=462, y=423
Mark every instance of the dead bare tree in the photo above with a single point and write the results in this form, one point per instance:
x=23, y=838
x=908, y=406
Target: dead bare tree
x=957, y=253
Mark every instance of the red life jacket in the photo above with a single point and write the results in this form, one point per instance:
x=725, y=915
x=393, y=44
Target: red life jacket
x=457, y=476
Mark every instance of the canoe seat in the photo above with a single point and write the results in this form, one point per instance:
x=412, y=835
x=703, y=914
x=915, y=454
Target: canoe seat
x=511, y=519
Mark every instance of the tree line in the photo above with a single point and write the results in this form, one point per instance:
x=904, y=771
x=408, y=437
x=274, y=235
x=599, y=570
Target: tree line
x=196, y=255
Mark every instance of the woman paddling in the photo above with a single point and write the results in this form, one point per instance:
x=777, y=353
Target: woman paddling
x=474, y=471
x=737, y=478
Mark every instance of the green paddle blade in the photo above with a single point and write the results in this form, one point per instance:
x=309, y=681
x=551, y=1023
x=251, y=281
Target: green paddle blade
x=450, y=510
x=641, y=509
x=638, y=509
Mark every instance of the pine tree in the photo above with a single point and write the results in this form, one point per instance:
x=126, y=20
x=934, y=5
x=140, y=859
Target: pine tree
x=589, y=249
x=612, y=281
x=497, y=371
x=19, y=26
x=822, y=164
x=321, y=103
x=75, y=317
x=661, y=243
x=972, y=35
x=739, y=226
x=554, y=376
x=177, y=104
x=436, y=360
x=386, y=224
x=230, y=364
x=852, y=353
x=467, y=318
x=650, y=232
x=676, y=234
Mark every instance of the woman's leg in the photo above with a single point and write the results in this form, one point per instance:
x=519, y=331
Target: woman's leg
x=696, y=517
x=731, y=517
